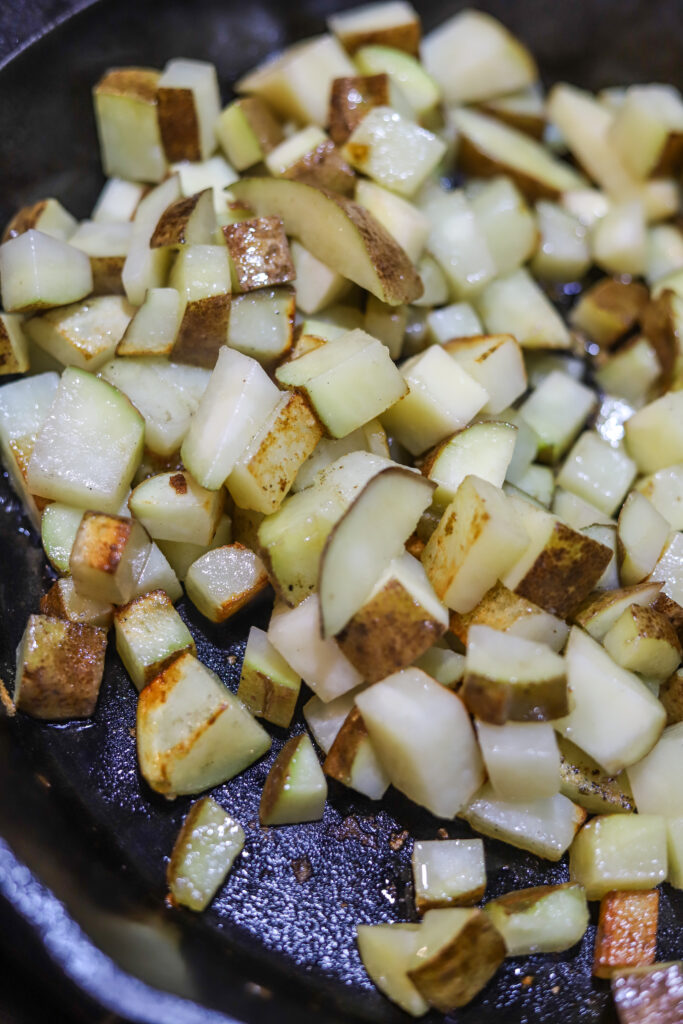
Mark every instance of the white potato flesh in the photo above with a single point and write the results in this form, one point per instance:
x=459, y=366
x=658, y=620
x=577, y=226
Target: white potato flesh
x=674, y=827
x=59, y=526
x=108, y=555
x=296, y=789
x=147, y=268
x=654, y=434
x=556, y=410
x=606, y=535
x=371, y=437
x=458, y=320
x=423, y=737
x=294, y=148
x=154, y=328
x=296, y=634
x=222, y=581
x=149, y=635
x=664, y=490
x=326, y=719
x=387, y=952
x=127, y=125
x=199, y=78
x=598, y=472
x=23, y=407
x=522, y=759
x=577, y=512
x=405, y=222
x=317, y=285
x=205, y=850
x=563, y=252
x=655, y=780
x=458, y=243
x=647, y=118
x=516, y=305
x=261, y=323
x=182, y=554
x=173, y=506
x=214, y=173
x=669, y=569
x=664, y=252
x=631, y=372
x=89, y=446
x=238, y=399
x=348, y=381
x=84, y=335
x=363, y=542
x=157, y=574
x=473, y=57
x=412, y=91
x=38, y=271
x=117, y=202
x=442, y=398
x=496, y=362
x=613, y=716
x=448, y=872
x=619, y=851
x=599, y=615
x=484, y=449
x=642, y=534
x=507, y=222
x=549, y=919
x=544, y=826
x=103, y=239
x=619, y=240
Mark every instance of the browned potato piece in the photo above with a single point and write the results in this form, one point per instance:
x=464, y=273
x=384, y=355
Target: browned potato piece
x=268, y=685
x=501, y=609
x=671, y=696
x=354, y=29
x=107, y=557
x=649, y=995
x=627, y=931
x=451, y=973
x=499, y=701
x=609, y=310
x=352, y=760
x=14, y=357
x=350, y=100
x=203, y=330
x=262, y=122
x=673, y=611
x=323, y=167
x=179, y=124
x=191, y=220
x=661, y=327
x=389, y=632
x=46, y=215
x=584, y=782
x=62, y=602
x=59, y=668
x=259, y=253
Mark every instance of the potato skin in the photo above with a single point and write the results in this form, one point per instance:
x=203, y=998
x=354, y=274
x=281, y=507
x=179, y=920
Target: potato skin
x=342, y=754
x=178, y=124
x=277, y=776
x=565, y=572
x=61, y=668
x=323, y=167
x=259, y=252
x=499, y=702
x=350, y=100
x=203, y=330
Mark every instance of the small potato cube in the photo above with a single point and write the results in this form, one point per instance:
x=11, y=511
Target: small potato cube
x=589, y=785
x=654, y=434
x=47, y=215
x=598, y=472
x=172, y=506
x=522, y=759
x=182, y=554
x=38, y=271
x=207, y=846
x=225, y=580
x=671, y=696
x=246, y=131
x=127, y=126
x=117, y=202
x=107, y=245
x=643, y=640
x=150, y=635
x=85, y=334
x=655, y=780
x=598, y=613
x=201, y=274
x=157, y=574
x=654, y=990
x=262, y=324
x=393, y=151
x=14, y=357
x=188, y=108
x=295, y=789
x=154, y=328
x=259, y=253
x=627, y=931
x=352, y=98
x=404, y=222
x=310, y=157
x=268, y=685
x=192, y=732
x=190, y=220
x=393, y=23
x=59, y=668
x=386, y=951
x=62, y=601
x=647, y=130
x=556, y=411
x=348, y=381
x=442, y=397
x=352, y=760
x=108, y=556
x=619, y=851
x=448, y=873
x=496, y=362
x=516, y=304
x=544, y=919
x=609, y=310
x=501, y=609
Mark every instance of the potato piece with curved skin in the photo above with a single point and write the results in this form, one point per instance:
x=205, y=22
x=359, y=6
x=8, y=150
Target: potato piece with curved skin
x=295, y=789
x=543, y=919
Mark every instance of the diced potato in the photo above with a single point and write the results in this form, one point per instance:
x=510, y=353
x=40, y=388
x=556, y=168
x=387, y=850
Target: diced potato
x=147, y=268
x=494, y=361
x=458, y=242
x=207, y=845
x=664, y=490
x=473, y=57
x=188, y=107
x=460, y=951
x=268, y=685
x=619, y=240
x=647, y=131
x=655, y=779
x=126, y=114
x=392, y=23
x=544, y=919
x=422, y=735
x=352, y=760
x=598, y=613
x=117, y=202
x=516, y=305
x=643, y=640
x=23, y=407
x=563, y=253
x=108, y=555
x=545, y=827
x=598, y=472
x=627, y=931
x=557, y=410
x=157, y=574
x=521, y=758
x=201, y=273
x=58, y=527
x=182, y=554
x=613, y=715
x=442, y=397
x=523, y=109
x=295, y=789
x=84, y=335
x=47, y=215
x=38, y=271
x=653, y=990
x=317, y=285
x=609, y=309
x=674, y=830
x=262, y=324
x=619, y=851
x=326, y=719
x=14, y=355
x=504, y=610
x=217, y=175
x=192, y=733
x=669, y=571
x=587, y=784
x=507, y=222
x=190, y=220
x=259, y=253
x=89, y=445
x=642, y=534
x=456, y=321
x=671, y=696
x=63, y=602
x=386, y=951
x=404, y=222
x=348, y=381
x=484, y=449
x=172, y=506
x=60, y=665
x=631, y=372
x=448, y=873
x=246, y=131
x=393, y=151
x=538, y=482
x=224, y=580
x=654, y=434
x=150, y=635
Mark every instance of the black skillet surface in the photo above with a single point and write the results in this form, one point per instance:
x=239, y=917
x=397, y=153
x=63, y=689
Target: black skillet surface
x=277, y=944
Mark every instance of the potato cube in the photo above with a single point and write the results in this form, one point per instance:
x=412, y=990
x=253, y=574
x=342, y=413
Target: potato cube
x=207, y=846
x=182, y=554
x=38, y=271
x=671, y=696
x=262, y=324
x=224, y=580
x=647, y=131
x=619, y=851
x=23, y=407
x=172, y=506
x=516, y=305
x=522, y=759
x=392, y=23
x=201, y=274
x=448, y=873
x=545, y=827
x=147, y=268
x=188, y=108
x=598, y=472
x=154, y=327
x=609, y=309
x=59, y=668
x=352, y=98
x=643, y=640
x=655, y=780
x=494, y=361
x=268, y=685
x=674, y=831
x=589, y=785
x=107, y=557
x=501, y=609
x=393, y=151
x=654, y=434
x=653, y=990
x=556, y=411
x=544, y=919
x=117, y=202
x=190, y=220
x=386, y=951
x=246, y=131
x=14, y=357
x=84, y=334
x=47, y=215
x=627, y=931
x=598, y=613
x=127, y=126
x=107, y=245
x=62, y=601
x=295, y=789
x=352, y=760
x=259, y=253
x=149, y=636
x=317, y=285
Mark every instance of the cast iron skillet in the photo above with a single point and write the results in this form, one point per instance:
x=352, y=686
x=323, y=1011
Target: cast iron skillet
x=278, y=942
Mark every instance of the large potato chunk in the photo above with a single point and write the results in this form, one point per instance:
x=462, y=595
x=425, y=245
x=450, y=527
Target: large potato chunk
x=423, y=737
x=59, y=668
x=192, y=733
x=339, y=233
x=207, y=845
x=107, y=557
x=126, y=114
x=619, y=851
x=38, y=271
x=149, y=636
x=84, y=335
x=89, y=446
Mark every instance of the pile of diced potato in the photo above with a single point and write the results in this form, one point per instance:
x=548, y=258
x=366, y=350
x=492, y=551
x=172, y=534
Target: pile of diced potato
x=285, y=354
